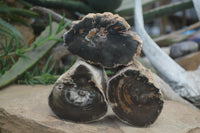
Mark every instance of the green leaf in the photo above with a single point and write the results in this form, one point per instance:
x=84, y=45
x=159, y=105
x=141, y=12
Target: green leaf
x=64, y=26
x=19, y=51
x=17, y=11
x=109, y=72
x=13, y=60
x=26, y=4
x=52, y=67
x=60, y=24
x=2, y=45
x=47, y=78
x=23, y=64
x=46, y=65
x=10, y=47
x=7, y=48
x=39, y=40
x=5, y=31
x=50, y=24
x=11, y=28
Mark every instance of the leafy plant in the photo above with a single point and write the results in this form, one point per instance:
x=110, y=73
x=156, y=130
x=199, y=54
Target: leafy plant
x=40, y=77
x=30, y=56
x=13, y=32
x=11, y=40
x=44, y=76
x=16, y=14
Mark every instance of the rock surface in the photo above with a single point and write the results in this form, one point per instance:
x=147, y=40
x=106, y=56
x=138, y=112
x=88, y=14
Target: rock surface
x=24, y=109
x=190, y=62
x=26, y=32
x=183, y=48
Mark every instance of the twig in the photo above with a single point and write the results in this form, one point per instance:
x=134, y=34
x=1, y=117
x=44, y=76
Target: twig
x=168, y=36
x=161, y=11
x=159, y=60
x=129, y=11
x=167, y=10
x=55, y=16
x=63, y=4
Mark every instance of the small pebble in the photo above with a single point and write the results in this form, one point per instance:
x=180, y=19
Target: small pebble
x=183, y=48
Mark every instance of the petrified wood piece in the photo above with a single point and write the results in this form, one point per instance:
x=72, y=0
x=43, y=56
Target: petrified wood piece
x=78, y=94
x=103, y=39
x=134, y=95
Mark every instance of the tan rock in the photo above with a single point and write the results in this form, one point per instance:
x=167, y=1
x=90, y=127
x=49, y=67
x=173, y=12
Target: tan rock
x=27, y=33
x=183, y=48
x=190, y=62
x=25, y=109
x=194, y=130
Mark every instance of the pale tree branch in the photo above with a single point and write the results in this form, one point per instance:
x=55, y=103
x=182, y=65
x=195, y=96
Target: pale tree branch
x=171, y=35
x=161, y=61
x=196, y=4
x=167, y=68
x=169, y=94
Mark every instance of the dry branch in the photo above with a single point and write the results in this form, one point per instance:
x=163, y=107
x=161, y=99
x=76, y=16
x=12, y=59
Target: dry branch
x=71, y=5
x=167, y=10
x=56, y=17
x=196, y=4
x=185, y=84
x=168, y=93
x=161, y=11
x=171, y=35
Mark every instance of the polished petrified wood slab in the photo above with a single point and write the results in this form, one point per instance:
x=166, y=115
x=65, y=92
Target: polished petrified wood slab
x=103, y=39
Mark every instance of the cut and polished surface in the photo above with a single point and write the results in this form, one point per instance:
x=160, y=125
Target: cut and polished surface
x=76, y=97
x=134, y=100
x=135, y=96
x=103, y=39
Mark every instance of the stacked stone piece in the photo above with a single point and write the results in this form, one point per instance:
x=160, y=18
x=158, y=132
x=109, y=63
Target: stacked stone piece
x=83, y=93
